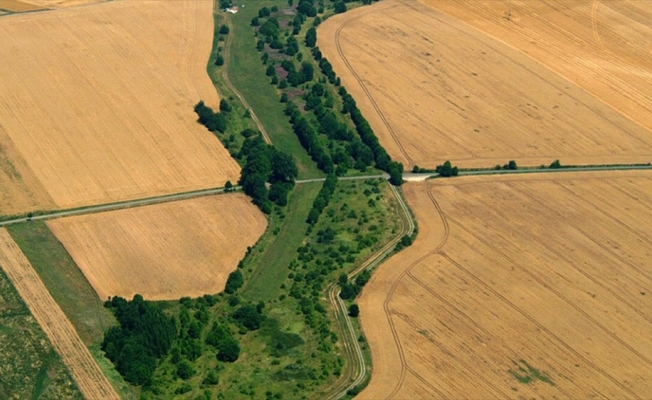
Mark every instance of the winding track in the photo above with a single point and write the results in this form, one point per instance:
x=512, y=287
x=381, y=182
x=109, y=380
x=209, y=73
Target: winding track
x=225, y=76
x=353, y=350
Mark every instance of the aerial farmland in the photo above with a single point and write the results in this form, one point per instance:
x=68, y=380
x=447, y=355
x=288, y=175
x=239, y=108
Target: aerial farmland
x=480, y=101
x=325, y=200
x=122, y=125
x=510, y=291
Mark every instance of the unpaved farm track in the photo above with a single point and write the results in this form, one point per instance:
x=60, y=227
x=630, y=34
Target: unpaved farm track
x=88, y=376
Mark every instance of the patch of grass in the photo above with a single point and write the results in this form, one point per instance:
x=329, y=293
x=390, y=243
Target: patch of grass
x=64, y=280
x=279, y=250
x=525, y=373
x=247, y=73
x=71, y=291
x=30, y=368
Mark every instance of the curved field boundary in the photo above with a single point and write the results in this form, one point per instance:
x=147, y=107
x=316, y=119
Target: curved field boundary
x=357, y=77
x=390, y=294
x=352, y=347
x=88, y=376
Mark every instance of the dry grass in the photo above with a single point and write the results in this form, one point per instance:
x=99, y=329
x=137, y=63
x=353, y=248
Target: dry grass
x=531, y=286
x=99, y=101
x=434, y=88
x=164, y=251
x=88, y=376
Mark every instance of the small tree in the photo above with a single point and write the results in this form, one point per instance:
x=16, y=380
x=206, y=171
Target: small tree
x=224, y=30
x=225, y=106
x=271, y=71
x=512, y=165
x=219, y=60
x=228, y=186
x=284, y=97
x=185, y=370
x=555, y=165
x=339, y=7
x=354, y=310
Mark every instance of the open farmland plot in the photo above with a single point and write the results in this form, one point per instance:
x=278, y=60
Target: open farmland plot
x=98, y=102
x=165, y=251
x=17, y=6
x=602, y=46
x=434, y=88
x=517, y=287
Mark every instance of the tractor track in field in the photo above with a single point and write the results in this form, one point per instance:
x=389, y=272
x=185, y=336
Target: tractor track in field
x=380, y=113
x=225, y=77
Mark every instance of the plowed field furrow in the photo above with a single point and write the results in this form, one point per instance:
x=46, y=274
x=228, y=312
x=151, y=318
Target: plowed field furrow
x=88, y=376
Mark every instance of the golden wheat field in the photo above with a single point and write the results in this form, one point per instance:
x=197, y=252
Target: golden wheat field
x=536, y=286
x=18, y=6
x=164, y=251
x=96, y=104
x=434, y=88
x=602, y=46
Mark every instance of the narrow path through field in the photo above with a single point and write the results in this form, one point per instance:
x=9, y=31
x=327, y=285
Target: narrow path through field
x=225, y=76
x=90, y=379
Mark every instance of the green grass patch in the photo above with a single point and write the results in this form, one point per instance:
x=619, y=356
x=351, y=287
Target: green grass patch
x=64, y=280
x=247, y=73
x=526, y=374
x=30, y=367
x=70, y=290
x=275, y=252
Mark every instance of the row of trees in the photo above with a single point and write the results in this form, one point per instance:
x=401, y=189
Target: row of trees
x=322, y=199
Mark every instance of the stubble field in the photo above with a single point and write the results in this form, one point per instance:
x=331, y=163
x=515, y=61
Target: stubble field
x=96, y=104
x=602, y=46
x=532, y=286
x=164, y=251
x=434, y=88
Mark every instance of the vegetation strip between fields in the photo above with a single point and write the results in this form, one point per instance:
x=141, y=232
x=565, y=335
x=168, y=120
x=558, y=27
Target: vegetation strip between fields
x=348, y=332
x=83, y=368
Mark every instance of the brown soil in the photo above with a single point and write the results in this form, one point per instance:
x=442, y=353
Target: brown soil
x=88, y=376
x=532, y=286
x=165, y=251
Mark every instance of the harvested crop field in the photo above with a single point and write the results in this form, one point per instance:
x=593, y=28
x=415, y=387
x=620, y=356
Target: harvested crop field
x=164, y=251
x=98, y=102
x=602, y=46
x=531, y=286
x=18, y=6
x=83, y=368
x=434, y=88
